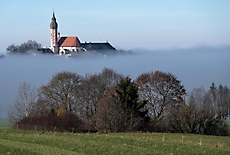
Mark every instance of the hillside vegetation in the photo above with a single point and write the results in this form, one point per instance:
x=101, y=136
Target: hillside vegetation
x=34, y=142
x=108, y=101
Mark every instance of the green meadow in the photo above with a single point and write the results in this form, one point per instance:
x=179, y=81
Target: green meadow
x=4, y=123
x=37, y=142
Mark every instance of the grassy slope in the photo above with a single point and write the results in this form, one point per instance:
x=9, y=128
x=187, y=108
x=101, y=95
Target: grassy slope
x=32, y=142
x=4, y=123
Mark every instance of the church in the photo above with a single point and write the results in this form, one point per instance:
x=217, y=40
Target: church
x=70, y=46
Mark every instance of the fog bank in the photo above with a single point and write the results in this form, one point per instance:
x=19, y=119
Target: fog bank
x=194, y=67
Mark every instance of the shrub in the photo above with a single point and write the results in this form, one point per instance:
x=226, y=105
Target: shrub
x=67, y=123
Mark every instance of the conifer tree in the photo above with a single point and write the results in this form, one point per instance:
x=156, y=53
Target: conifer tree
x=134, y=114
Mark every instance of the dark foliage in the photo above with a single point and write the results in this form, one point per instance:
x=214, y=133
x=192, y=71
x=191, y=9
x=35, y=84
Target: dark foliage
x=67, y=123
x=119, y=109
x=30, y=45
x=135, y=115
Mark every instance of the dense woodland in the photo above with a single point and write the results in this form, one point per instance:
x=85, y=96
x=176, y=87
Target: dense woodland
x=110, y=102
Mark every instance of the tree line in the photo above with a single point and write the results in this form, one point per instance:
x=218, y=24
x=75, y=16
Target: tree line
x=23, y=48
x=111, y=102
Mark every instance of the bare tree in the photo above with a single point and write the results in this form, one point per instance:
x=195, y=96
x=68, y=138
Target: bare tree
x=227, y=101
x=198, y=95
x=41, y=108
x=93, y=88
x=109, y=77
x=222, y=101
x=184, y=118
x=194, y=117
x=109, y=114
x=90, y=92
x=160, y=90
x=60, y=93
x=23, y=103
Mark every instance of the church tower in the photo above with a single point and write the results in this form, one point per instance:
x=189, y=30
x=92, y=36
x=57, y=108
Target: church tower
x=53, y=35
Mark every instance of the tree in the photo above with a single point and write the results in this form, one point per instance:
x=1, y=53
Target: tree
x=196, y=117
x=198, y=95
x=119, y=109
x=90, y=91
x=222, y=101
x=227, y=101
x=184, y=118
x=93, y=88
x=109, y=116
x=212, y=92
x=60, y=93
x=23, y=104
x=161, y=90
x=23, y=48
x=41, y=108
x=109, y=77
x=134, y=114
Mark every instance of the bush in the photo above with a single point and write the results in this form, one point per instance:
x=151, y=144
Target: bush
x=67, y=123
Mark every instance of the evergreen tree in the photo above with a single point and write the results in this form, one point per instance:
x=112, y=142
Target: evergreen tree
x=134, y=113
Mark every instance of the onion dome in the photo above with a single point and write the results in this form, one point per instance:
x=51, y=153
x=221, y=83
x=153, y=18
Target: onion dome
x=53, y=24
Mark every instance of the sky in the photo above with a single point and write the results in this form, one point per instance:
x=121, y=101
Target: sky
x=129, y=24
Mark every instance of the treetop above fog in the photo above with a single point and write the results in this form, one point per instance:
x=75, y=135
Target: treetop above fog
x=24, y=48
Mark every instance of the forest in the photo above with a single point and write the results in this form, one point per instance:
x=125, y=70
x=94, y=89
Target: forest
x=111, y=102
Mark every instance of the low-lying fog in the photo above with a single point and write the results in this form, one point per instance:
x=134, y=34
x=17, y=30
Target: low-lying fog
x=194, y=67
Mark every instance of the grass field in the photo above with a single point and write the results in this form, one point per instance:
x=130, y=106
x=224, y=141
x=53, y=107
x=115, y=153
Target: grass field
x=4, y=123
x=35, y=142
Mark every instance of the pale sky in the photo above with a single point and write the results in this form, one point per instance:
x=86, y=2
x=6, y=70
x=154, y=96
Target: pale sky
x=126, y=24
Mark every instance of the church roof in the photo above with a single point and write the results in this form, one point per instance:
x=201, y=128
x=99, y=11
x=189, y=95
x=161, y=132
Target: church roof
x=44, y=50
x=68, y=42
x=97, y=46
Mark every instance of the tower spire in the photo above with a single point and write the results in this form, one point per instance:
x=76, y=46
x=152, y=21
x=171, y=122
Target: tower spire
x=53, y=34
x=54, y=16
x=53, y=24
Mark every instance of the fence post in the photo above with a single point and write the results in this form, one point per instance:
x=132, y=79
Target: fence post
x=88, y=131
x=54, y=128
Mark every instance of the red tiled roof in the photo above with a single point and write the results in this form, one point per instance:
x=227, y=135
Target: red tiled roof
x=68, y=42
